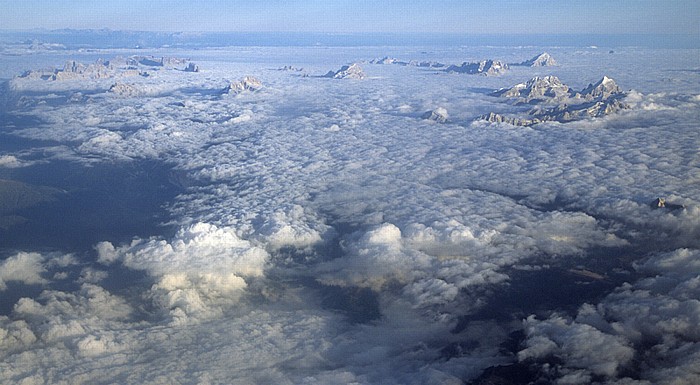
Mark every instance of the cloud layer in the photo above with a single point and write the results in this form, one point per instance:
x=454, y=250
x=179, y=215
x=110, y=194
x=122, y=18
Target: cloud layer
x=327, y=233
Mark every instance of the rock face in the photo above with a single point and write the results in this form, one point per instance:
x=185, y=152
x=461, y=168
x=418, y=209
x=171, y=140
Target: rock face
x=74, y=70
x=352, y=71
x=604, y=88
x=484, y=67
x=555, y=101
x=248, y=83
x=542, y=60
x=114, y=68
x=415, y=63
x=537, y=89
x=290, y=69
x=438, y=115
x=152, y=61
x=427, y=64
x=125, y=90
x=387, y=60
x=191, y=67
x=660, y=203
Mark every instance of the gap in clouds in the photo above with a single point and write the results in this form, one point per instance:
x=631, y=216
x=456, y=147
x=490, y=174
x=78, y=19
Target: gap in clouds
x=104, y=201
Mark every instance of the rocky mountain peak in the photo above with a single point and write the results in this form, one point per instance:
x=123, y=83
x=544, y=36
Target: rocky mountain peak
x=604, y=88
x=542, y=60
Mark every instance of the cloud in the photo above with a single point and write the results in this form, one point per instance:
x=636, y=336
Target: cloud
x=26, y=268
x=653, y=321
x=10, y=161
x=90, y=334
x=200, y=271
x=14, y=335
x=292, y=228
x=377, y=257
x=579, y=345
x=424, y=220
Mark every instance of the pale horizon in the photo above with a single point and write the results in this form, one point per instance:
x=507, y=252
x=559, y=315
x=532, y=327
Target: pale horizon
x=341, y=16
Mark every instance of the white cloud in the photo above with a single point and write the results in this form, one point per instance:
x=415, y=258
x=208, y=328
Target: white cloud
x=653, y=320
x=10, y=161
x=14, y=335
x=349, y=184
x=292, y=228
x=579, y=345
x=22, y=267
x=200, y=271
x=374, y=260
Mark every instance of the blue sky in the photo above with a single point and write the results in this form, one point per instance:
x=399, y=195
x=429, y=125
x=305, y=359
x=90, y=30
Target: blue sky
x=454, y=16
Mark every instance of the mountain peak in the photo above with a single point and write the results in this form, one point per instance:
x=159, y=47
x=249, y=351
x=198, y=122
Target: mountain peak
x=603, y=88
x=484, y=67
x=542, y=60
x=538, y=88
x=351, y=71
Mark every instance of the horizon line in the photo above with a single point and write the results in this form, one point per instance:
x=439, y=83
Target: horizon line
x=107, y=29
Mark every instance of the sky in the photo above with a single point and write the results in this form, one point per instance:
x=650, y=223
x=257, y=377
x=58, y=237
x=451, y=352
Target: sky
x=447, y=16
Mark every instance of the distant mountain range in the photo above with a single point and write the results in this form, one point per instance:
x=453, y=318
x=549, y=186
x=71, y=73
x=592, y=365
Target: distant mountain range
x=106, y=38
x=553, y=100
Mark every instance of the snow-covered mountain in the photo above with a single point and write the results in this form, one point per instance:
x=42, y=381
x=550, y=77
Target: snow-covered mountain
x=105, y=69
x=126, y=90
x=73, y=70
x=387, y=60
x=537, y=88
x=438, y=115
x=604, y=88
x=153, y=61
x=352, y=71
x=555, y=101
x=484, y=67
x=248, y=83
x=542, y=60
x=416, y=63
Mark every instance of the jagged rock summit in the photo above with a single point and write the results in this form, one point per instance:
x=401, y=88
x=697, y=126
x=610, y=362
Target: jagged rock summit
x=125, y=90
x=555, y=101
x=352, y=71
x=542, y=60
x=551, y=90
x=537, y=89
x=387, y=60
x=415, y=63
x=248, y=83
x=74, y=70
x=484, y=67
x=660, y=203
x=118, y=67
x=438, y=115
x=604, y=88
x=290, y=68
x=153, y=61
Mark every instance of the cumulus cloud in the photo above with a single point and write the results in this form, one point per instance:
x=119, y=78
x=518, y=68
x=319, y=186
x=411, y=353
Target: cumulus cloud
x=90, y=334
x=22, y=267
x=292, y=228
x=201, y=269
x=580, y=345
x=10, y=161
x=653, y=320
x=377, y=257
